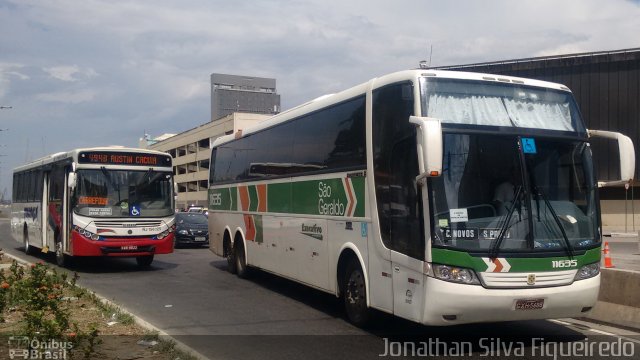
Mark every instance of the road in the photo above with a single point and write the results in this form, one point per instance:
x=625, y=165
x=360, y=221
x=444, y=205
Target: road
x=190, y=295
x=625, y=252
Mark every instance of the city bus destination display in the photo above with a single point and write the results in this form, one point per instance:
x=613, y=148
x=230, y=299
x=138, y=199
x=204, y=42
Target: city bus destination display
x=123, y=158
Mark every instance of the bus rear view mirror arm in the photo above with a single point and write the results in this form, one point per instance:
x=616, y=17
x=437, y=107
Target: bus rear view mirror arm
x=429, y=146
x=72, y=180
x=627, y=156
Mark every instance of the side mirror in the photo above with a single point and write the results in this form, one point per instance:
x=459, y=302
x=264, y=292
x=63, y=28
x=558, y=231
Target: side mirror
x=627, y=156
x=71, y=180
x=429, y=140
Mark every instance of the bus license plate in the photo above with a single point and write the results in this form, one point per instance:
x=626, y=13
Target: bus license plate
x=200, y=238
x=129, y=247
x=535, y=304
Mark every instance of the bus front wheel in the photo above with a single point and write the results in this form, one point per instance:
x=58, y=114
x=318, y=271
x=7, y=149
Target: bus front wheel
x=355, y=295
x=144, y=261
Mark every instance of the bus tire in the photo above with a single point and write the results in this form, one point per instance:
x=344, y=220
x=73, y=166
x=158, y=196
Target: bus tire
x=61, y=258
x=354, y=294
x=28, y=249
x=144, y=261
x=231, y=257
x=241, y=260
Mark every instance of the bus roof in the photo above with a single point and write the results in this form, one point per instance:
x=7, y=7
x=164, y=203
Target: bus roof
x=330, y=99
x=73, y=155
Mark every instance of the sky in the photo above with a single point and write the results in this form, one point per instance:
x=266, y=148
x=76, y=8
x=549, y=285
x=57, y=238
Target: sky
x=81, y=73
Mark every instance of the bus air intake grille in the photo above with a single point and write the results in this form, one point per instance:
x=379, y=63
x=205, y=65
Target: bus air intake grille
x=127, y=224
x=527, y=279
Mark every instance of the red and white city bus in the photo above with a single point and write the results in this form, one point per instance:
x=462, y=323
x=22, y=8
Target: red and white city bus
x=108, y=201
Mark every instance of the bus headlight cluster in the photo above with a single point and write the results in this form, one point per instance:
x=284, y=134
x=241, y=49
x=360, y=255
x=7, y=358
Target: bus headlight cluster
x=588, y=271
x=166, y=233
x=87, y=234
x=454, y=274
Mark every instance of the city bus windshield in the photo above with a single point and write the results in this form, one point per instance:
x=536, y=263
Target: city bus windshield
x=497, y=195
x=123, y=193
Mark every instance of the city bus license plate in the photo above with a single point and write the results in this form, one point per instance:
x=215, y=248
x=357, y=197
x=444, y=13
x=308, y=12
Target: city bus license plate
x=535, y=304
x=129, y=247
x=200, y=238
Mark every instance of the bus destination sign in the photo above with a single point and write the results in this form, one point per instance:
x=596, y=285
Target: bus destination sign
x=123, y=158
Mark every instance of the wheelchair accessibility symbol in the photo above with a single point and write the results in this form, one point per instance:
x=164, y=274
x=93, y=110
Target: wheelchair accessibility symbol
x=529, y=146
x=134, y=210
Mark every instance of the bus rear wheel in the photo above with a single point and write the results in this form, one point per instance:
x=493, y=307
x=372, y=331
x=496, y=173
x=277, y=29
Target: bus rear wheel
x=144, y=261
x=354, y=294
x=241, y=261
x=231, y=258
x=28, y=249
x=61, y=258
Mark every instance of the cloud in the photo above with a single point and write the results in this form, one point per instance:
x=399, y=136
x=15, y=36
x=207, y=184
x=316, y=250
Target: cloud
x=68, y=97
x=70, y=73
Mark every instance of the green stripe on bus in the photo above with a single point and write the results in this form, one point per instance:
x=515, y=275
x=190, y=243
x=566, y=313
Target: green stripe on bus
x=330, y=197
x=463, y=259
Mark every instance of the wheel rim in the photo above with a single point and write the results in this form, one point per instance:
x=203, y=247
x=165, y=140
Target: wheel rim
x=59, y=254
x=355, y=289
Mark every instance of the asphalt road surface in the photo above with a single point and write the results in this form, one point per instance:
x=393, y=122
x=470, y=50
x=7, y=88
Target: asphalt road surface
x=190, y=295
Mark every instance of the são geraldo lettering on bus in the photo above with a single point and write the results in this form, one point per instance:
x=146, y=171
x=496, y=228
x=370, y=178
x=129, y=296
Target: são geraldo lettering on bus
x=342, y=197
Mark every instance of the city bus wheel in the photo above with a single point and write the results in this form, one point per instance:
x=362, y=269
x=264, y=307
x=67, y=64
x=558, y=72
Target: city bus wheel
x=241, y=261
x=28, y=249
x=61, y=259
x=354, y=294
x=144, y=261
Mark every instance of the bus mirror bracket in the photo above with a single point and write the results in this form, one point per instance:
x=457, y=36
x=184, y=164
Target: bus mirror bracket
x=627, y=156
x=429, y=141
x=72, y=178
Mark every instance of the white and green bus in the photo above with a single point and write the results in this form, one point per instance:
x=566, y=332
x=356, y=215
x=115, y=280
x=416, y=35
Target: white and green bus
x=440, y=197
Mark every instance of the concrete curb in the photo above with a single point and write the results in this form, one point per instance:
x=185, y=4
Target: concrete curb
x=138, y=320
x=619, y=298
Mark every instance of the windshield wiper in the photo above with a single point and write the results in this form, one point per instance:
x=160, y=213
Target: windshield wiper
x=556, y=218
x=493, y=251
x=110, y=181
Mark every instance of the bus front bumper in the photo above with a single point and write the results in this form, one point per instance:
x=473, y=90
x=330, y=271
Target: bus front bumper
x=449, y=303
x=82, y=246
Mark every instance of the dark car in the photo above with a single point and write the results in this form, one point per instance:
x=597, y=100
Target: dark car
x=192, y=229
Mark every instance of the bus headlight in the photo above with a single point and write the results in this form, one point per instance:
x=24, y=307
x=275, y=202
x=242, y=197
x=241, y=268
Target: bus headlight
x=454, y=274
x=587, y=271
x=88, y=234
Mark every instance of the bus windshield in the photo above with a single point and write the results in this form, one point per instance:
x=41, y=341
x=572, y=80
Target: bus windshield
x=123, y=193
x=489, y=103
x=495, y=196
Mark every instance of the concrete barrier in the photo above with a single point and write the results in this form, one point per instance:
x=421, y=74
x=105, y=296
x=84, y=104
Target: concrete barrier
x=619, y=299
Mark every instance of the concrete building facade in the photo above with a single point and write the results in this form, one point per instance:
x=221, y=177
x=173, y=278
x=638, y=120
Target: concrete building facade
x=191, y=151
x=243, y=94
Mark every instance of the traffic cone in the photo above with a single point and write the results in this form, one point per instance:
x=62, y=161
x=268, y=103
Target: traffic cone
x=607, y=258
